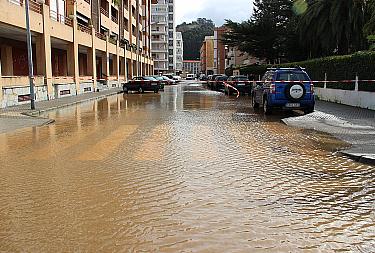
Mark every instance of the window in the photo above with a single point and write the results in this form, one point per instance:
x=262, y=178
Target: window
x=292, y=76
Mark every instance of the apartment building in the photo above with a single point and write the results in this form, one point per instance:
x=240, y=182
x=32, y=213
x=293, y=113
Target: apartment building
x=207, y=55
x=78, y=46
x=237, y=58
x=219, y=51
x=164, y=36
x=179, y=52
x=192, y=67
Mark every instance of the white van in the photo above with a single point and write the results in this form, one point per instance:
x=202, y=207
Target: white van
x=190, y=77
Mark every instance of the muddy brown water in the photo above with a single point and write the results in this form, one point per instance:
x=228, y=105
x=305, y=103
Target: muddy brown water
x=187, y=170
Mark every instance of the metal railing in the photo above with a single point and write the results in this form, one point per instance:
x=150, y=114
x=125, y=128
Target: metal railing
x=100, y=36
x=61, y=18
x=33, y=5
x=84, y=29
x=114, y=19
x=112, y=40
x=104, y=12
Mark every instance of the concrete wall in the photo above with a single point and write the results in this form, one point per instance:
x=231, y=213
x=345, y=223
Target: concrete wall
x=355, y=98
x=11, y=95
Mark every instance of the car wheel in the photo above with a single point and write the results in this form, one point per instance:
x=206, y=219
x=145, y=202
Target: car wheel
x=140, y=90
x=254, y=104
x=126, y=90
x=267, y=110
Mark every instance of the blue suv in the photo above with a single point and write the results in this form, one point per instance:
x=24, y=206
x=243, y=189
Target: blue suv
x=284, y=88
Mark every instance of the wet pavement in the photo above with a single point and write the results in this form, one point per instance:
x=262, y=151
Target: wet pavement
x=187, y=170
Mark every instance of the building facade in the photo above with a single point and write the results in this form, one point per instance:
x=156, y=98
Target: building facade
x=219, y=51
x=207, y=55
x=78, y=46
x=237, y=58
x=179, y=52
x=164, y=35
x=192, y=67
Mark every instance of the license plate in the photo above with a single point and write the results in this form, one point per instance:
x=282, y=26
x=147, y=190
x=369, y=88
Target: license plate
x=293, y=105
x=241, y=84
x=153, y=84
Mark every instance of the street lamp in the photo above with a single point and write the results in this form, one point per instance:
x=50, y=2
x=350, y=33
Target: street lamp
x=30, y=53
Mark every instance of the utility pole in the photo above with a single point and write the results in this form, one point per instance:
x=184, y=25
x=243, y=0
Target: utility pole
x=138, y=41
x=30, y=56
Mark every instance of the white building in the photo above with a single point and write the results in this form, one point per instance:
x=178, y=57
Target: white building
x=163, y=36
x=179, y=52
x=192, y=67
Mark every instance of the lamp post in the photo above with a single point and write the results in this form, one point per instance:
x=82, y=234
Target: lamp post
x=30, y=56
x=30, y=53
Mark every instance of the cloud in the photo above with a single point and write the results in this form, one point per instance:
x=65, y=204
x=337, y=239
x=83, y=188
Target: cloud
x=217, y=10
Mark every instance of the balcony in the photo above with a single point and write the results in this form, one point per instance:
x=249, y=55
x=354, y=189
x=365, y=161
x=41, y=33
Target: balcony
x=84, y=29
x=61, y=18
x=114, y=19
x=100, y=36
x=104, y=12
x=33, y=5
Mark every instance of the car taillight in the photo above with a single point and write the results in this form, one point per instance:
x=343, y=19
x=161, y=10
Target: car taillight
x=273, y=88
x=312, y=88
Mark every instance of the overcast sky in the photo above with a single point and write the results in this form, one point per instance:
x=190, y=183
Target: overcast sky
x=217, y=10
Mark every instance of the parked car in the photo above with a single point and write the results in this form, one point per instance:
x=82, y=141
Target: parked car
x=190, y=77
x=177, y=78
x=241, y=83
x=284, y=88
x=161, y=81
x=219, y=83
x=141, y=84
x=169, y=76
x=169, y=81
x=212, y=81
x=203, y=78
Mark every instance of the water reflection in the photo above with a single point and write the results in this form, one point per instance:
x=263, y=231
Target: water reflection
x=185, y=170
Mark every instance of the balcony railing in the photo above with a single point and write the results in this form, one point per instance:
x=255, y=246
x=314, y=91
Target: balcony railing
x=61, y=18
x=33, y=5
x=84, y=29
x=104, y=12
x=113, y=41
x=100, y=36
x=114, y=19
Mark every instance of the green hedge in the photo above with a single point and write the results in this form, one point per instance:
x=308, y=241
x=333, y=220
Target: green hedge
x=337, y=68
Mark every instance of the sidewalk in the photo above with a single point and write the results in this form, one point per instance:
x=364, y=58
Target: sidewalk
x=353, y=125
x=17, y=117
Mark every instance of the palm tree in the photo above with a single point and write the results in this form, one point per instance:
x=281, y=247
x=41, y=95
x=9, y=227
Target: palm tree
x=333, y=26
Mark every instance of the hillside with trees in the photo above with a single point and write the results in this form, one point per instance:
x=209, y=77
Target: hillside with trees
x=193, y=34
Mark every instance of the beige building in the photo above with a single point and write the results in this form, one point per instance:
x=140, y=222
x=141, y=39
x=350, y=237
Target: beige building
x=78, y=46
x=207, y=55
x=237, y=58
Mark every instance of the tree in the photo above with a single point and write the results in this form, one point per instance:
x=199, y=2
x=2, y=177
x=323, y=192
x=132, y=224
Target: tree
x=193, y=35
x=369, y=28
x=270, y=33
x=333, y=26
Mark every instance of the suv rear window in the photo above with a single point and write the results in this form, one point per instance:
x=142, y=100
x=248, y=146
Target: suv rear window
x=292, y=76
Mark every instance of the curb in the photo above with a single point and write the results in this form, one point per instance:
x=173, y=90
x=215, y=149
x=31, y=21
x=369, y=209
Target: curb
x=35, y=113
x=368, y=158
x=362, y=158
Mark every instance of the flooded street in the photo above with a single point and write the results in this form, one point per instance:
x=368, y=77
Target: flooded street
x=187, y=170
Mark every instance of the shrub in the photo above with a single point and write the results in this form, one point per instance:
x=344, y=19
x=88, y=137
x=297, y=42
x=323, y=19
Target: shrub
x=344, y=67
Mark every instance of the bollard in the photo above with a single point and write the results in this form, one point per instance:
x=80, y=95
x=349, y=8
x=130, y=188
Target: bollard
x=356, y=83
